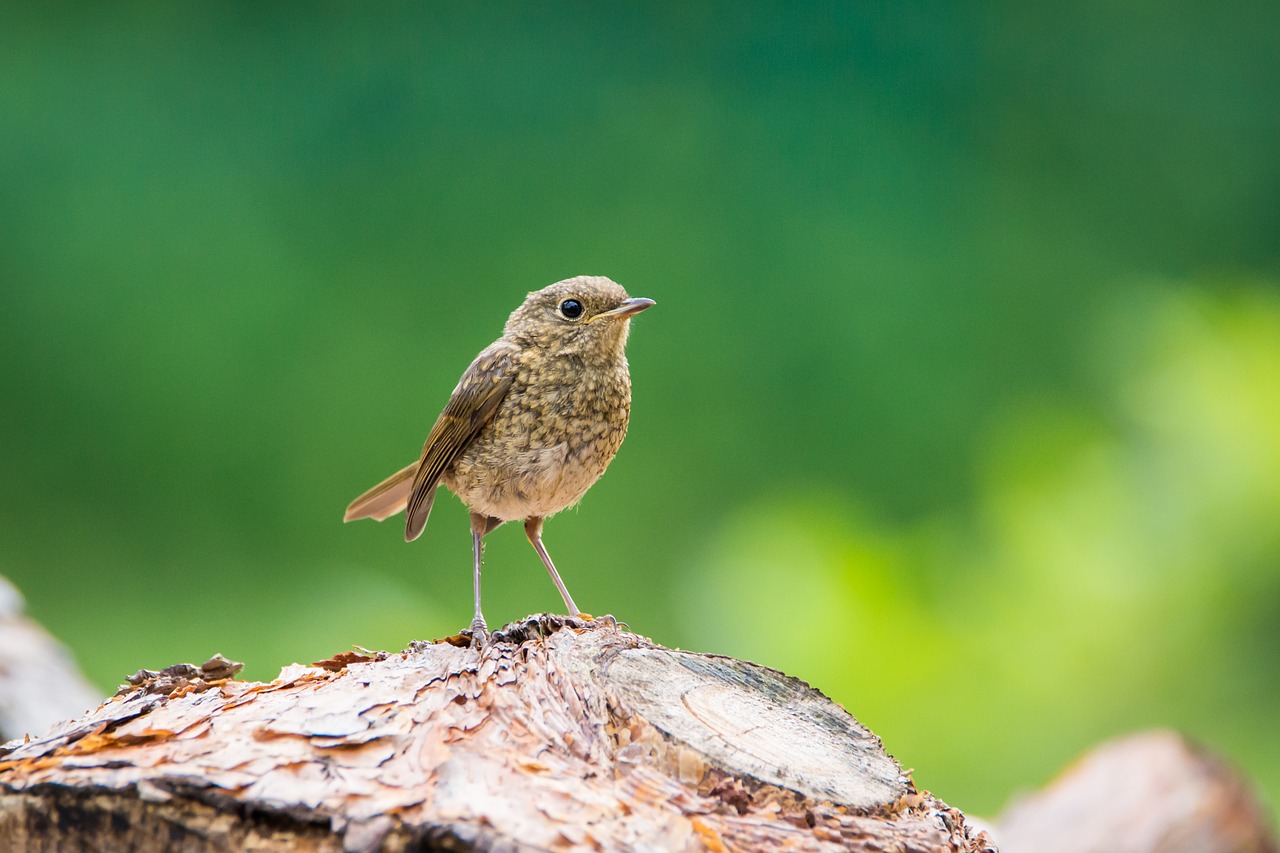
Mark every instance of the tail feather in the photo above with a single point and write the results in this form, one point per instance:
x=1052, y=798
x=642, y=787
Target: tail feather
x=385, y=499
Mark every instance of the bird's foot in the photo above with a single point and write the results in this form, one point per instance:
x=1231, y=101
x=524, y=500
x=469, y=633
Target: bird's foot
x=607, y=619
x=479, y=633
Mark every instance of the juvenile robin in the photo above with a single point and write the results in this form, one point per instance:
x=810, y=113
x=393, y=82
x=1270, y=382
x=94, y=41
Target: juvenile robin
x=532, y=424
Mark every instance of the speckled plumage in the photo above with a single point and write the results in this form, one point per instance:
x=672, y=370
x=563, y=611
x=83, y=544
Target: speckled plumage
x=559, y=425
x=532, y=424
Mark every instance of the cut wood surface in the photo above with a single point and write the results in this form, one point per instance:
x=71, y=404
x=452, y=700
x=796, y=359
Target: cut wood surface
x=559, y=734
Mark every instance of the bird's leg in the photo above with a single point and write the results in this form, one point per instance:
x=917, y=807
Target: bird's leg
x=533, y=529
x=480, y=525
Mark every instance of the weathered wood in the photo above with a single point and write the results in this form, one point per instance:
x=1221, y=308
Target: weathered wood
x=559, y=735
x=39, y=682
x=1153, y=792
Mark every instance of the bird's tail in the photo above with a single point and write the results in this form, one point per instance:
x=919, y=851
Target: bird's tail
x=385, y=499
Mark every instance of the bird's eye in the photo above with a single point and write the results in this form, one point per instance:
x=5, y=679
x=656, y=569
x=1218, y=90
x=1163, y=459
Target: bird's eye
x=571, y=308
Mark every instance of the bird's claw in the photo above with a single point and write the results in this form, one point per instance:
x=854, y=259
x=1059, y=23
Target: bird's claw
x=608, y=619
x=479, y=633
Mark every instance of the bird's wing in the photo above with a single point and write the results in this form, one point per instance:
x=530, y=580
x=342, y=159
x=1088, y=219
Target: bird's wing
x=480, y=392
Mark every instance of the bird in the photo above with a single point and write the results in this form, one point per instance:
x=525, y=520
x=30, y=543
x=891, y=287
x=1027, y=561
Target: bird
x=532, y=424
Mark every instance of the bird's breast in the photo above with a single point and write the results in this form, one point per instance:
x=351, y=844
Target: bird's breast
x=552, y=438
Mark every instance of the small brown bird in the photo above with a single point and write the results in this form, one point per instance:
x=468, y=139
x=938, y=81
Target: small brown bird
x=533, y=423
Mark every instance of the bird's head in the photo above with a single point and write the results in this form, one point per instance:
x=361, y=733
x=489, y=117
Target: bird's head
x=586, y=315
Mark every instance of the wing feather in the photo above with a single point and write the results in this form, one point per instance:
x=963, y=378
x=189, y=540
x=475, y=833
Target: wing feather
x=477, y=398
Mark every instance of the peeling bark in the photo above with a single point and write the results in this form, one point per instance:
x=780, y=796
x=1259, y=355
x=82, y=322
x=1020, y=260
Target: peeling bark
x=559, y=735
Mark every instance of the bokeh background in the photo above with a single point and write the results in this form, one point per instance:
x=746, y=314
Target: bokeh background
x=961, y=400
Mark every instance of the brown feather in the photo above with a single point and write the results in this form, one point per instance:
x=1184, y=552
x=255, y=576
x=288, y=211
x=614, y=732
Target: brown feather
x=478, y=396
x=385, y=499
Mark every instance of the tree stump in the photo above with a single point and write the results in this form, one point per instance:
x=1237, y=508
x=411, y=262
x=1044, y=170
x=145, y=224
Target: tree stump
x=559, y=734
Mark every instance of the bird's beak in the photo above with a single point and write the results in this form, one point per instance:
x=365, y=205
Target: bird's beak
x=628, y=308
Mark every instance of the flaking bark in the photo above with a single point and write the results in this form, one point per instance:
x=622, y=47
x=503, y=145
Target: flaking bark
x=559, y=735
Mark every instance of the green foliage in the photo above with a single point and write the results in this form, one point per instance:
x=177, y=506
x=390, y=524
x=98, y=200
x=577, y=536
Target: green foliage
x=961, y=399
x=1115, y=570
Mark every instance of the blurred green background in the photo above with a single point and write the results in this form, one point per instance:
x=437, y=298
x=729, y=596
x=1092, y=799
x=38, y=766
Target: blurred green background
x=961, y=400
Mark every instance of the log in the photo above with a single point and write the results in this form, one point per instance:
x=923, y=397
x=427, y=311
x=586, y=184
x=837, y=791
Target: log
x=560, y=734
x=1151, y=792
x=39, y=682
